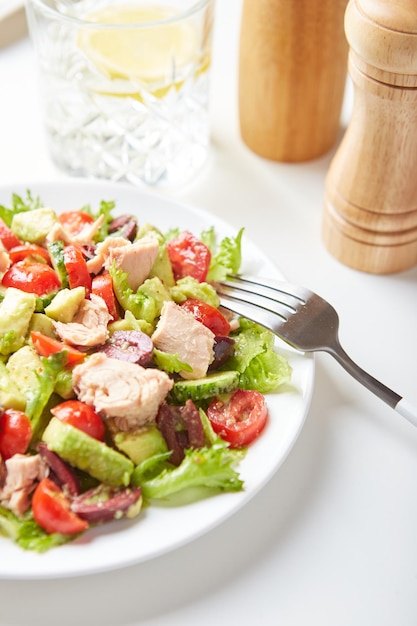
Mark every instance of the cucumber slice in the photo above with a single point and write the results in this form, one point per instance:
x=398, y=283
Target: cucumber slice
x=208, y=387
x=56, y=252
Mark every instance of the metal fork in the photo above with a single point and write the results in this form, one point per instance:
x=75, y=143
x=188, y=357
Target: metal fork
x=305, y=321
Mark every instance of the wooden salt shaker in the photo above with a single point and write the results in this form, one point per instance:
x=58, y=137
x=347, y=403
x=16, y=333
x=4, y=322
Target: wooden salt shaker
x=292, y=75
x=370, y=208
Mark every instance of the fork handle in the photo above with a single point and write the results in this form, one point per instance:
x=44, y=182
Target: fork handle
x=395, y=401
x=407, y=410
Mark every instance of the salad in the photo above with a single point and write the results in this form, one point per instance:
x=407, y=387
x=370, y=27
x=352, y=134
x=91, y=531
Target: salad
x=122, y=381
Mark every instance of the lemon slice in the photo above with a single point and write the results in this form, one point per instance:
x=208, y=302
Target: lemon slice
x=153, y=54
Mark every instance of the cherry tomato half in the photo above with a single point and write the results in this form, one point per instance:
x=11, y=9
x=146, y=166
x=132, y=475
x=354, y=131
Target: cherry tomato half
x=15, y=433
x=240, y=419
x=81, y=416
x=45, y=346
x=26, y=251
x=208, y=315
x=74, y=221
x=52, y=510
x=7, y=236
x=37, y=278
x=102, y=286
x=189, y=257
x=76, y=266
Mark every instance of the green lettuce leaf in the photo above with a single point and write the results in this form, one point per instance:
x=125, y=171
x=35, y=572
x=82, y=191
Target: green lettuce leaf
x=211, y=467
x=27, y=534
x=266, y=372
x=172, y=233
x=105, y=209
x=19, y=205
x=226, y=257
x=38, y=402
x=170, y=363
x=150, y=467
x=260, y=367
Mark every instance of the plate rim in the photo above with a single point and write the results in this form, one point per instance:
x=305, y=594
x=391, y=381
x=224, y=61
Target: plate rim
x=100, y=188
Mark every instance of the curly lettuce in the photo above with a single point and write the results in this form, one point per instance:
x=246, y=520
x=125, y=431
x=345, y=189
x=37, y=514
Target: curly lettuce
x=226, y=257
x=208, y=467
x=19, y=205
x=27, y=534
x=260, y=367
x=106, y=210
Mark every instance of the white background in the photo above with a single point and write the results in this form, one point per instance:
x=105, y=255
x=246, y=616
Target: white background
x=331, y=540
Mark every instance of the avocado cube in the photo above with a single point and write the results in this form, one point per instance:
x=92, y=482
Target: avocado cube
x=40, y=323
x=140, y=444
x=33, y=226
x=22, y=367
x=88, y=454
x=16, y=311
x=10, y=395
x=65, y=304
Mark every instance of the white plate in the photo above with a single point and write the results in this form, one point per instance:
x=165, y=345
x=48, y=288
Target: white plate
x=160, y=529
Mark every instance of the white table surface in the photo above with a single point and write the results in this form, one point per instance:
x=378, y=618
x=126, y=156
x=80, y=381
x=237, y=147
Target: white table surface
x=332, y=539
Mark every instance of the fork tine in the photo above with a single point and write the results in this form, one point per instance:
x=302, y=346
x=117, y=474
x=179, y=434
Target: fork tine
x=256, y=300
x=252, y=311
x=288, y=310
x=278, y=291
x=284, y=297
x=270, y=305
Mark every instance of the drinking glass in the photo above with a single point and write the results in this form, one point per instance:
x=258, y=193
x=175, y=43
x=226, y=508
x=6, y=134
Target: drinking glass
x=125, y=86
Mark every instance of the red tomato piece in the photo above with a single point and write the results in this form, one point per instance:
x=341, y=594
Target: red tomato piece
x=74, y=221
x=7, y=236
x=37, y=278
x=45, y=346
x=189, y=257
x=26, y=251
x=102, y=286
x=52, y=510
x=240, y=419
x=81, y=416
x=76, y=266
x=15, y=433
x=208, y=315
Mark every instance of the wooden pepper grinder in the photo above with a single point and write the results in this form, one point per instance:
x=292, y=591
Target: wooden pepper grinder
x=370, y=207
x=292, y=75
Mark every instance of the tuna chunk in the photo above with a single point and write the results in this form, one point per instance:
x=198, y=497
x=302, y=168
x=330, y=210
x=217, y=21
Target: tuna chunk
x=23, y=473
x=103, y=252
x=85, y=236
x=136, y=259
x=178, y=332
x=127, y=392
x=89, y=326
